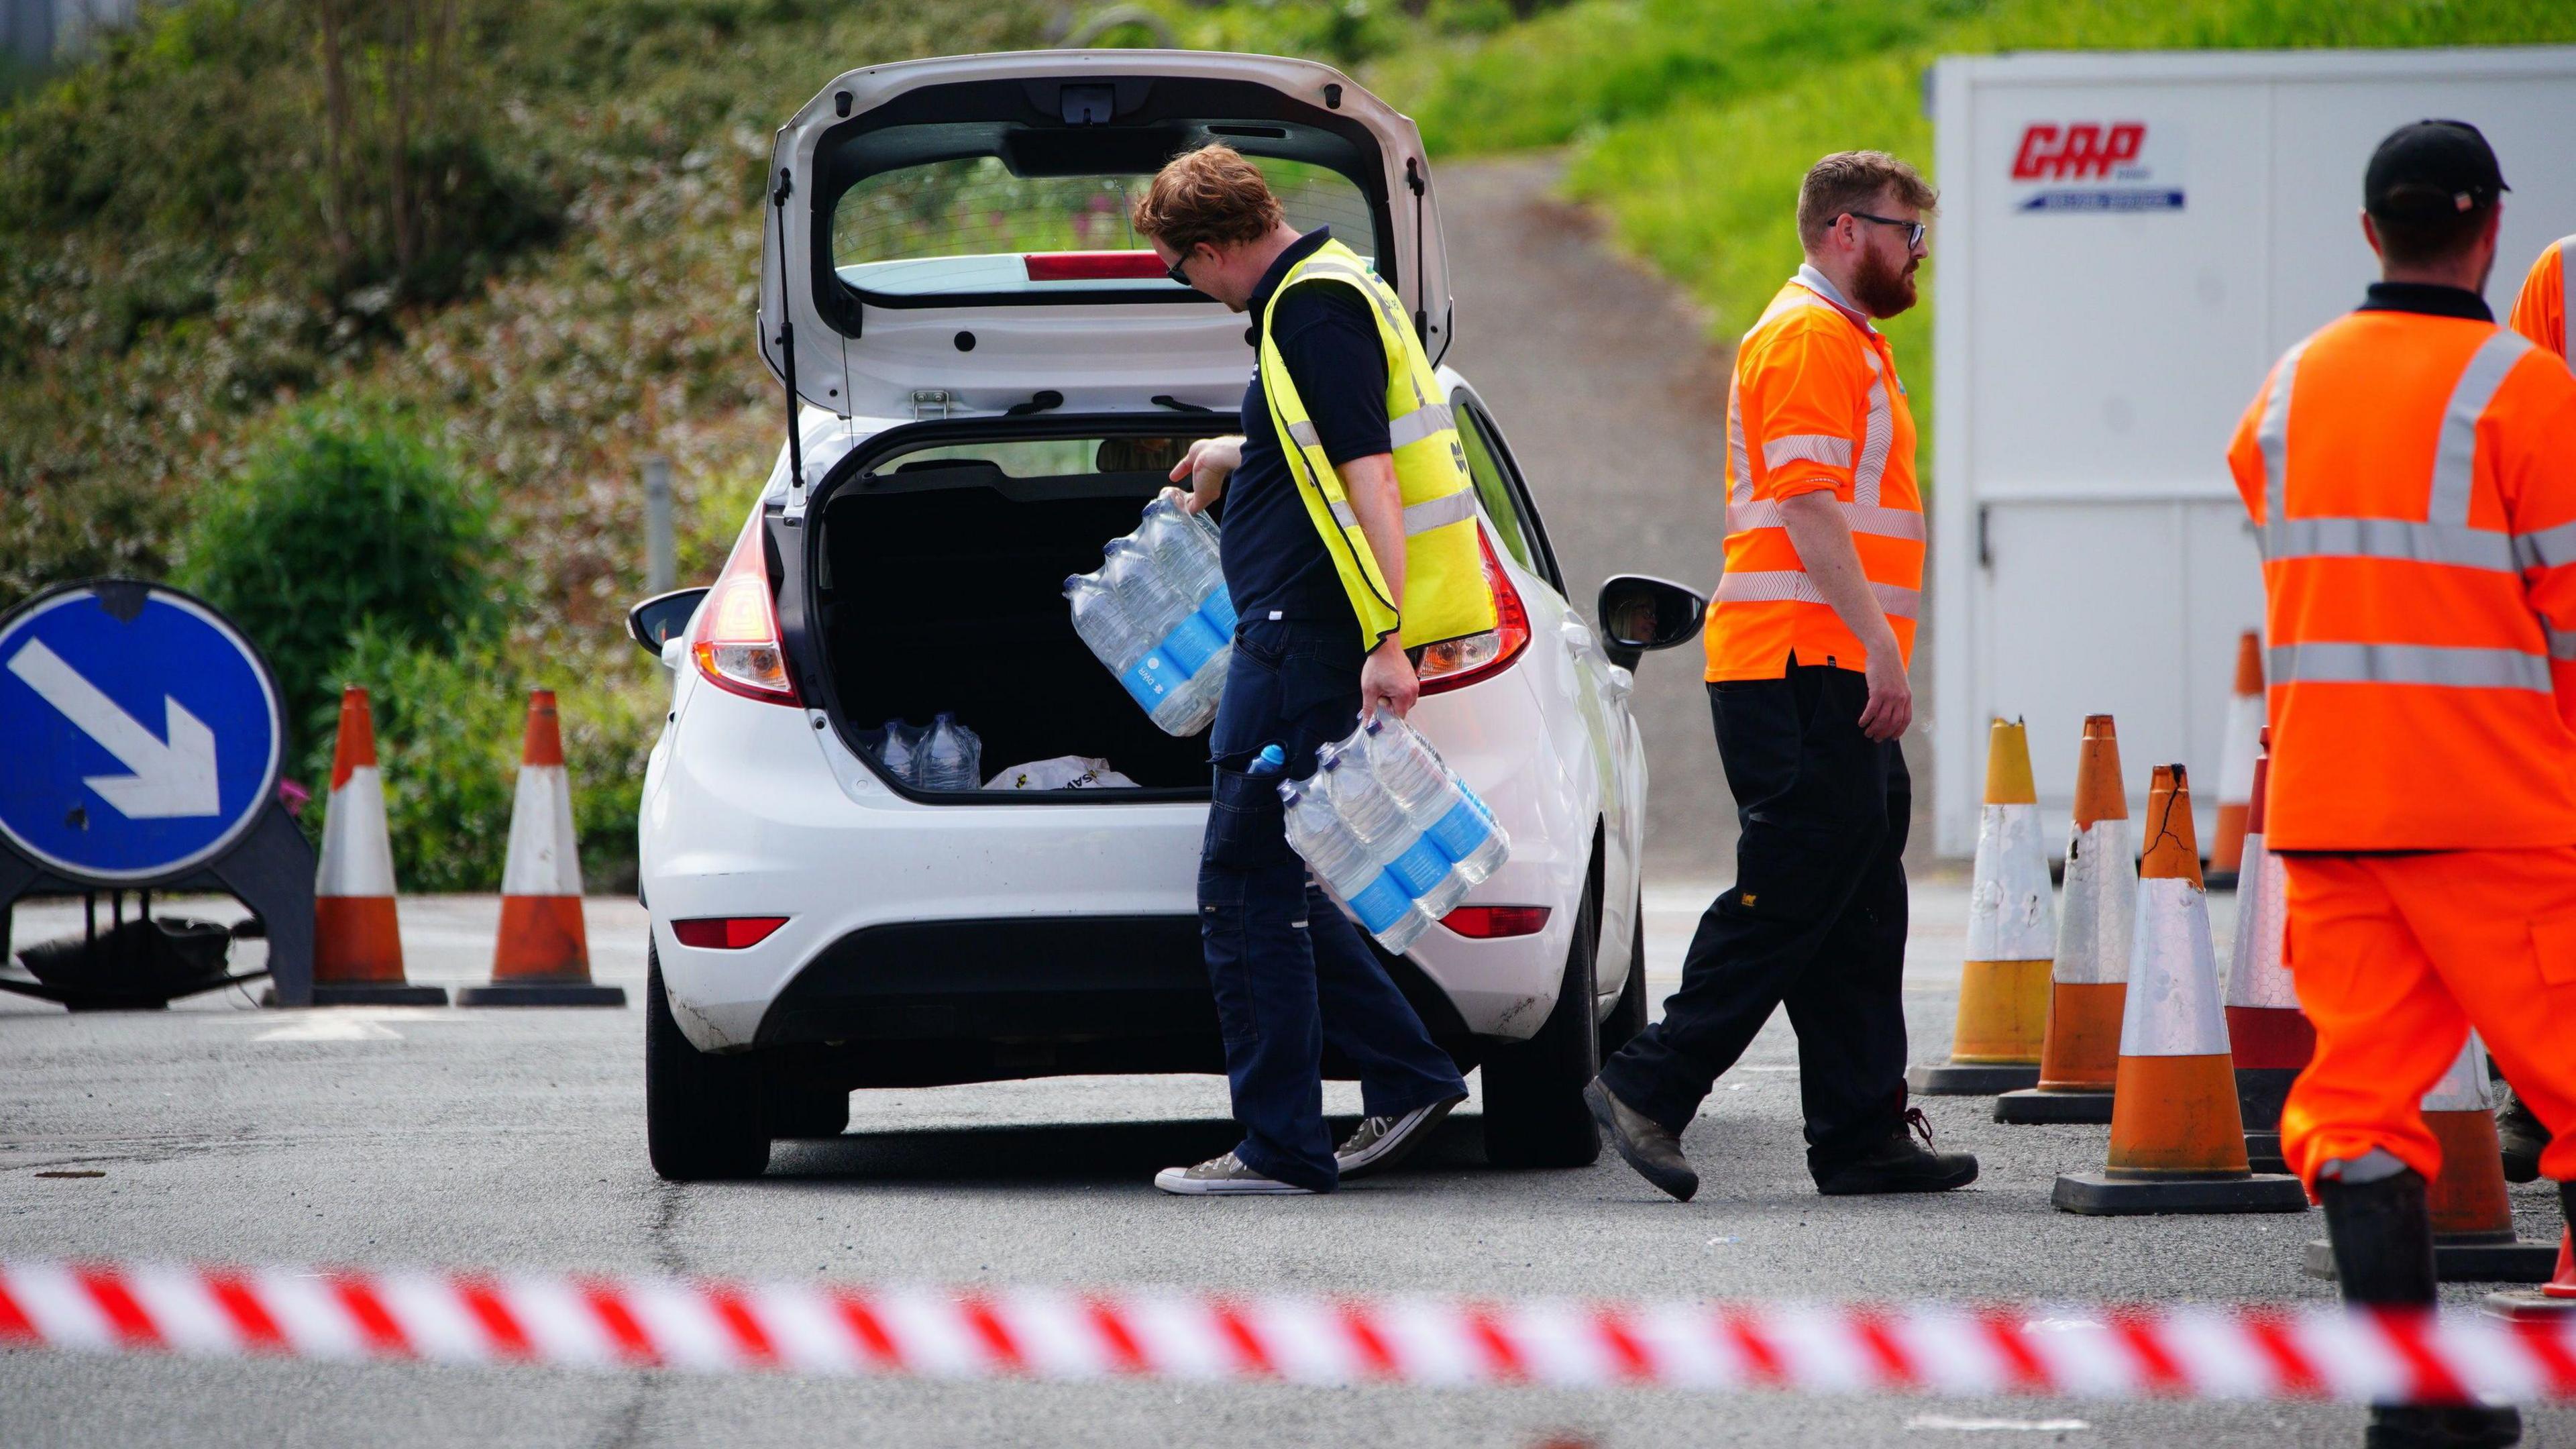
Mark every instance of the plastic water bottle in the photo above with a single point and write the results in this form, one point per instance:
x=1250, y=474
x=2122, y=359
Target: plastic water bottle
x=1156, y=601
x=1433, y=801
x=1269, y=762
x=1341, y=861
x=900, y=753
x=1102, y=619
x=951, y=757
x=1184, y=545
x=1370, y=810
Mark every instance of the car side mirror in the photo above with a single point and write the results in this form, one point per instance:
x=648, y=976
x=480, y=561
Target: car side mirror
x=653, y=622
x=1639, y=612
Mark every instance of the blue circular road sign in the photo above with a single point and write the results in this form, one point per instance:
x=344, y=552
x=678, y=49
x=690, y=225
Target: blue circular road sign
x=141, y=731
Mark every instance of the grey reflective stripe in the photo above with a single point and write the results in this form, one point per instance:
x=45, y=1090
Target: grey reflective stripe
x=1793, y=586
x=1877, y=434
x=2562, y=642
x=1421, y=517
x=1876, y=522
x=2455, y=458
x=1809, y=447
x=2389, y=538
x=1421, y=423
x=2427, y=664
x=1304, y=435
x=2546, y=549
x=2272, y=434
x=1742, y=492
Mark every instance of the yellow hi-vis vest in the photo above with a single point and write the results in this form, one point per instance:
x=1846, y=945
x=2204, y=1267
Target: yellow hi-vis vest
x=1445, y=595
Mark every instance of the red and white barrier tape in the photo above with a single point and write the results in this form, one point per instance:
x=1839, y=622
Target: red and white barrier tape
x=2190, y=1351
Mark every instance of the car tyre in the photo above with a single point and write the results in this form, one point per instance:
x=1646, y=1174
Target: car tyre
x=1629, y=1017
x=703, y=1117
x=1534, y=1110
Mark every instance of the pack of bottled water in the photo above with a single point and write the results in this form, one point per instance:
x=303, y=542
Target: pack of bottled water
x=1157, y=614
x=1391, y=829
x=945, y=756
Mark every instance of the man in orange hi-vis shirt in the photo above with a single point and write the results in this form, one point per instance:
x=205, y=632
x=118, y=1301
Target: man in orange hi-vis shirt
x=2412, y=468
x=1808, y=641
x=2540, y=312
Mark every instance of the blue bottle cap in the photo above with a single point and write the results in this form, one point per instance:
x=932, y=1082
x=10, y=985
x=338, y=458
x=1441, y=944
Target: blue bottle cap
x=1274, y=757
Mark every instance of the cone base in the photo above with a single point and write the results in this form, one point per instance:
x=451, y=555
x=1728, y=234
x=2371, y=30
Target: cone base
x=2040, y=1105
x=2219, y=880
x=1970, y=1079
x=2502, y=1262
x=2100, y=1195
x=2529, y=1305
x=2263, y=1152
x=368, y=993
x=541, y=993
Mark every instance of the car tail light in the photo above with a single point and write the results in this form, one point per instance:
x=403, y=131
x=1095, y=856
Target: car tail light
x=1096, y=267
x=1486, y=923
x=726, y=933
x=1457, y=662
x=736, y=638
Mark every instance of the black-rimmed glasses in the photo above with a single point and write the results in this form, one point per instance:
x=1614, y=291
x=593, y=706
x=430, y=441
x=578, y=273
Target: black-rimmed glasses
x=1175, y=270
x=1913, y=229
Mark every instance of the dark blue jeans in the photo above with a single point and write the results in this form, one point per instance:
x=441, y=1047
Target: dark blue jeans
x=1289, y=970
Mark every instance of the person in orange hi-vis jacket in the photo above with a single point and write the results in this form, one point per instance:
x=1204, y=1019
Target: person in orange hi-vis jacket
x=1808, y=640
x=2412, y=470
x=2540, y=311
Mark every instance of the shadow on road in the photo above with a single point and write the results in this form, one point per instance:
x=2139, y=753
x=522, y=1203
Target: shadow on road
x=1064, y=1152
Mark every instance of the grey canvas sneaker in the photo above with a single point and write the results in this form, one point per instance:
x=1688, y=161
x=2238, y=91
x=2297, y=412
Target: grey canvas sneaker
x=1381, y=1142
x=1223, y=1177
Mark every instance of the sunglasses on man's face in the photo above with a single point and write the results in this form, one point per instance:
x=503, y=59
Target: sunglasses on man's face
x=1913, y=229
x=1177, y=270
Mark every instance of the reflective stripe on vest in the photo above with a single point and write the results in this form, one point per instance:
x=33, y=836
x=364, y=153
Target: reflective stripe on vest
x=2446, y=536
x=1775, y=586
x=1863, y=518
x=2433, y=664
x=1418, y=517
x=1413, y=427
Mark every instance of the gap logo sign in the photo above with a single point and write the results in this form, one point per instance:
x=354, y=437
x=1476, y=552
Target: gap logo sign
x=2097, y=166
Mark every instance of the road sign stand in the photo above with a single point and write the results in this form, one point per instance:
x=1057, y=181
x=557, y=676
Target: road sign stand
x=269, y=869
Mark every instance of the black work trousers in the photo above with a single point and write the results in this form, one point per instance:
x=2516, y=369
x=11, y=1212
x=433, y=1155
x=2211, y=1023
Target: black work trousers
x=1815, y=921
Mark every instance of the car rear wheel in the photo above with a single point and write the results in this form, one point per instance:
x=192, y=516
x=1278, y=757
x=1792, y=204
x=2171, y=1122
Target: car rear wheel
x=1629, y=1017
x=703, y=1113
x=1534, y=1112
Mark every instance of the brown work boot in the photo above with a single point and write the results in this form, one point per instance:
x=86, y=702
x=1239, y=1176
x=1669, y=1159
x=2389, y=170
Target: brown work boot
x=1646, y=1146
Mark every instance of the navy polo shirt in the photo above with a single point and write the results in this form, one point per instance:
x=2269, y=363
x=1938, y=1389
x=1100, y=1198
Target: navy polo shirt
x=1275, y=561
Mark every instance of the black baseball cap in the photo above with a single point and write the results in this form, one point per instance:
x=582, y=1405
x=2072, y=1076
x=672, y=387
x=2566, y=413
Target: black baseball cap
x=2429, y=169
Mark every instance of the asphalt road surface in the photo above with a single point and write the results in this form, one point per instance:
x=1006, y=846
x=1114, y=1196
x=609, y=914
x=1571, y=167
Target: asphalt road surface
x=452, y=1138
x=492, y=1138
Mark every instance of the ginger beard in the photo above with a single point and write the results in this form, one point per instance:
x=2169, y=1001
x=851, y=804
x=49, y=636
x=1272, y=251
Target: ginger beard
x=1881, y=287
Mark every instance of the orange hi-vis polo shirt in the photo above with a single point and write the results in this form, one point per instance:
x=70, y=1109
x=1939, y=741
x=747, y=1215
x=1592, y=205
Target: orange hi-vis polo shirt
x=1815, y=404
x=2413, y=475
x=2540, y=312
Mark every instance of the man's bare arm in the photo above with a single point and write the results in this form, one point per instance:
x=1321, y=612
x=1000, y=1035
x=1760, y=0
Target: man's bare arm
x=1387, y=680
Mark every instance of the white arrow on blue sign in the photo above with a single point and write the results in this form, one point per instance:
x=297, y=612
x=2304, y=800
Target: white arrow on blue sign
x=142, y=731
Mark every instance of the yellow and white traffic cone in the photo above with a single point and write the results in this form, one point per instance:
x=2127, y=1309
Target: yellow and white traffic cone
x=542, y=957
x=2473, y=1239
x=2267, y=1033
x=357, y=936
x=2079, y=1058
x=2177, y=1143
x=2012, y=930
x=2237, y=754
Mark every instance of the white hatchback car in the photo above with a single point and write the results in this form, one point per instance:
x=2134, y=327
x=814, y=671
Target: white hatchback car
x=991, y=375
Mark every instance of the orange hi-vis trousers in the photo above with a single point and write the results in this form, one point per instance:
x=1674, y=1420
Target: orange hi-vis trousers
x=2395, y=957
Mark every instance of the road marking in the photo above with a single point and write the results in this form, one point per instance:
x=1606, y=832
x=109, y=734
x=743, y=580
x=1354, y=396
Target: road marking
x=330, y=1028
x=1978, y=1426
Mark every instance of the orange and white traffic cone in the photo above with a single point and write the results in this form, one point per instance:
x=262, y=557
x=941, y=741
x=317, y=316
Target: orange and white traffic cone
x=2079, y=1056
x=2473, y=1239
x=2177, y=1143
x=2237, y=756
x=2012, y=930
x=357, y=938
x=2269, y=1034
x=543, y=955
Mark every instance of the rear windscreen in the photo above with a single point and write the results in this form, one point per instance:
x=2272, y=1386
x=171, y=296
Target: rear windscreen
x=1037, y=458
x=971, y=226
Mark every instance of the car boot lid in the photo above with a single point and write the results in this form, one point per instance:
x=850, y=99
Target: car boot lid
x=949, y=237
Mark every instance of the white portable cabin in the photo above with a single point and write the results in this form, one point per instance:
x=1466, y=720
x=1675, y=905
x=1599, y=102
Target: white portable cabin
x=2126, y=243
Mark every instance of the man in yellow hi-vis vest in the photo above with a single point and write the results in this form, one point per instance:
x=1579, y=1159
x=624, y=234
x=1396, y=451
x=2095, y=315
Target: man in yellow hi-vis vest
x=1350, y=537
